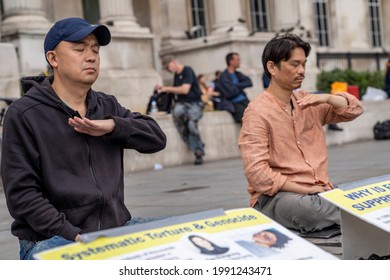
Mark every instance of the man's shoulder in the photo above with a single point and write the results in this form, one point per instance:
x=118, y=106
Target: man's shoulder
x=99, y=95
x=224, y=75
x=240, y=74
x=225, y=72
x=188, y=69
x=299, y=94
x=261, y=103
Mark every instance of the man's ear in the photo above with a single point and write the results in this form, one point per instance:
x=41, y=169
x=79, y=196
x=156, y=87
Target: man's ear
x=271, y=67
x=51, y=58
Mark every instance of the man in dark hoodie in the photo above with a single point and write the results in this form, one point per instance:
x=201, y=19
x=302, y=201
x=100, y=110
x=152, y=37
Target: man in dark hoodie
x=63, y=145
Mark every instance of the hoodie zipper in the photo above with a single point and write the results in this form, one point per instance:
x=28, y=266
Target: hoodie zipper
x=99, y=188
x=71, y=113
x=100, y=191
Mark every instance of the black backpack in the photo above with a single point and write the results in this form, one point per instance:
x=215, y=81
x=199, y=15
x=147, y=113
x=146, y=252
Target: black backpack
x=164, y=102
x=382, y=130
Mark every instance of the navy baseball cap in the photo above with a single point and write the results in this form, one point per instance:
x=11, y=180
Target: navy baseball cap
x=75, y=29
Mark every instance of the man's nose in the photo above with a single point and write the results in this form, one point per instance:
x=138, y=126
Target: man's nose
x=91, y=55
x=301, y=68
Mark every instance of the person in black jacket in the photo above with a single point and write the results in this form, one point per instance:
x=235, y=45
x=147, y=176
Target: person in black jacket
x=231, y=86
x=63, y=145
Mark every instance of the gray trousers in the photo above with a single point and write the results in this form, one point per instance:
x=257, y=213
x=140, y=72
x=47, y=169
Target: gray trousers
x=305, y=213
x=185, y=117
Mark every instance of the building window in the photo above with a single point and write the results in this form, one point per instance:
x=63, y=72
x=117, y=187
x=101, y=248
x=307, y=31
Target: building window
x=1, y=9
x=321, y=22
x=259, y=16
x=91, y=11
x=198, y=13
x=375, y=22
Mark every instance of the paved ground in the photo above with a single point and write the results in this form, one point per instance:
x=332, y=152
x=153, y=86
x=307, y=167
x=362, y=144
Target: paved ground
x=219, y=184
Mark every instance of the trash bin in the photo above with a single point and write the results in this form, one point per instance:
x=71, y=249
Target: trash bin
x=354, y=90
x=338, y=87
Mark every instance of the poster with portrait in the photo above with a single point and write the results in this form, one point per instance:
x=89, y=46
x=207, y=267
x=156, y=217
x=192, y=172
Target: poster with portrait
x=212, y=235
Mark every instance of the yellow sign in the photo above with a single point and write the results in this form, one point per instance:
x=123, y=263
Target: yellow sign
x=362, y=200
x=111, y=247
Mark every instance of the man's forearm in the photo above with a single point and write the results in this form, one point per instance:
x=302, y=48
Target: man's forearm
x=289, y=186
x=337, y=101
x=183, y=89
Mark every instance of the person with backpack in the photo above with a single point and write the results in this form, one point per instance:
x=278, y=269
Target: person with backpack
x=188, y=108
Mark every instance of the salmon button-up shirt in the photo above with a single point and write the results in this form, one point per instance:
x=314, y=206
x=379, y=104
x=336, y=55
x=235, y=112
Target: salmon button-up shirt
x=276, y=145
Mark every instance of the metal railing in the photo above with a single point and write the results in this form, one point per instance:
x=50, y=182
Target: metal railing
x=355, y=61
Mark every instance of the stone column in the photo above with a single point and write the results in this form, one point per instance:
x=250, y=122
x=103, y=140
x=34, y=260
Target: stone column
x=119, y=15
x=22, y=14
x=172, y=22
x=127, y=63
x=226, y=15
x=285, y=14
x=9, y=71
x=306, y=18
x=25, y=26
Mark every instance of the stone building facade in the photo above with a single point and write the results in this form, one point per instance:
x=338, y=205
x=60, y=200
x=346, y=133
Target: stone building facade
x=198, y=32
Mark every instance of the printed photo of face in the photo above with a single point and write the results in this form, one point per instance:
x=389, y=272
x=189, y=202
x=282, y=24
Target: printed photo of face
x=270, y=238
x=205, y=246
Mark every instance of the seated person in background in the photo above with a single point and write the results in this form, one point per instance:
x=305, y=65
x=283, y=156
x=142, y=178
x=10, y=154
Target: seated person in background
x=217, y=98
x=207, y=93
x=231, y=86
x=188, y=108
x=282, y=141
x=266, y=80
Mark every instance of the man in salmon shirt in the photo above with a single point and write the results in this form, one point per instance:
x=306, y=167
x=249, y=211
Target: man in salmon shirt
x=282, y=140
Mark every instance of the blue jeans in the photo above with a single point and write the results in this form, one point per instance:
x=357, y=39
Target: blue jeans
x=29, y=248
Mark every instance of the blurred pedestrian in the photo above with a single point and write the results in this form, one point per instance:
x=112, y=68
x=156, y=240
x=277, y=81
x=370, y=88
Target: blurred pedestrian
x=207, y=93
x=232, y=84
x=387, y=78
x=188, y=108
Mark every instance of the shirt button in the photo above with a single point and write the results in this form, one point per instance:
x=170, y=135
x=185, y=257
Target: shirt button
x=298, y=142
x=307, y=161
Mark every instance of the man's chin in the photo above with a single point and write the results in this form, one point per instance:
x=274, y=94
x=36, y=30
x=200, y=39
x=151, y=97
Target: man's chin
x=90, y=79
x=88, y=83
x=298, y=84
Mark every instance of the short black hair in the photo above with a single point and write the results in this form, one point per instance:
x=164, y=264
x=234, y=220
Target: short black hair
x=281, y=47
x=229, y=57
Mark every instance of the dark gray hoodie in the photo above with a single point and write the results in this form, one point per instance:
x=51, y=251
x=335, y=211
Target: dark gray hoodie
x=61, y=182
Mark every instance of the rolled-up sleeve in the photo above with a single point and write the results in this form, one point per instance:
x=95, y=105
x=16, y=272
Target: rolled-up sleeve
x=345, y=114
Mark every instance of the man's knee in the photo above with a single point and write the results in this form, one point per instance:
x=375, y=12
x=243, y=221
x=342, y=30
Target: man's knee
x=302, y=212
x=316, y=214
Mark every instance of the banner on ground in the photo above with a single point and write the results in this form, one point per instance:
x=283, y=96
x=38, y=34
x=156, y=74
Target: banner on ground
x=370, y=201
x=211, y=235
